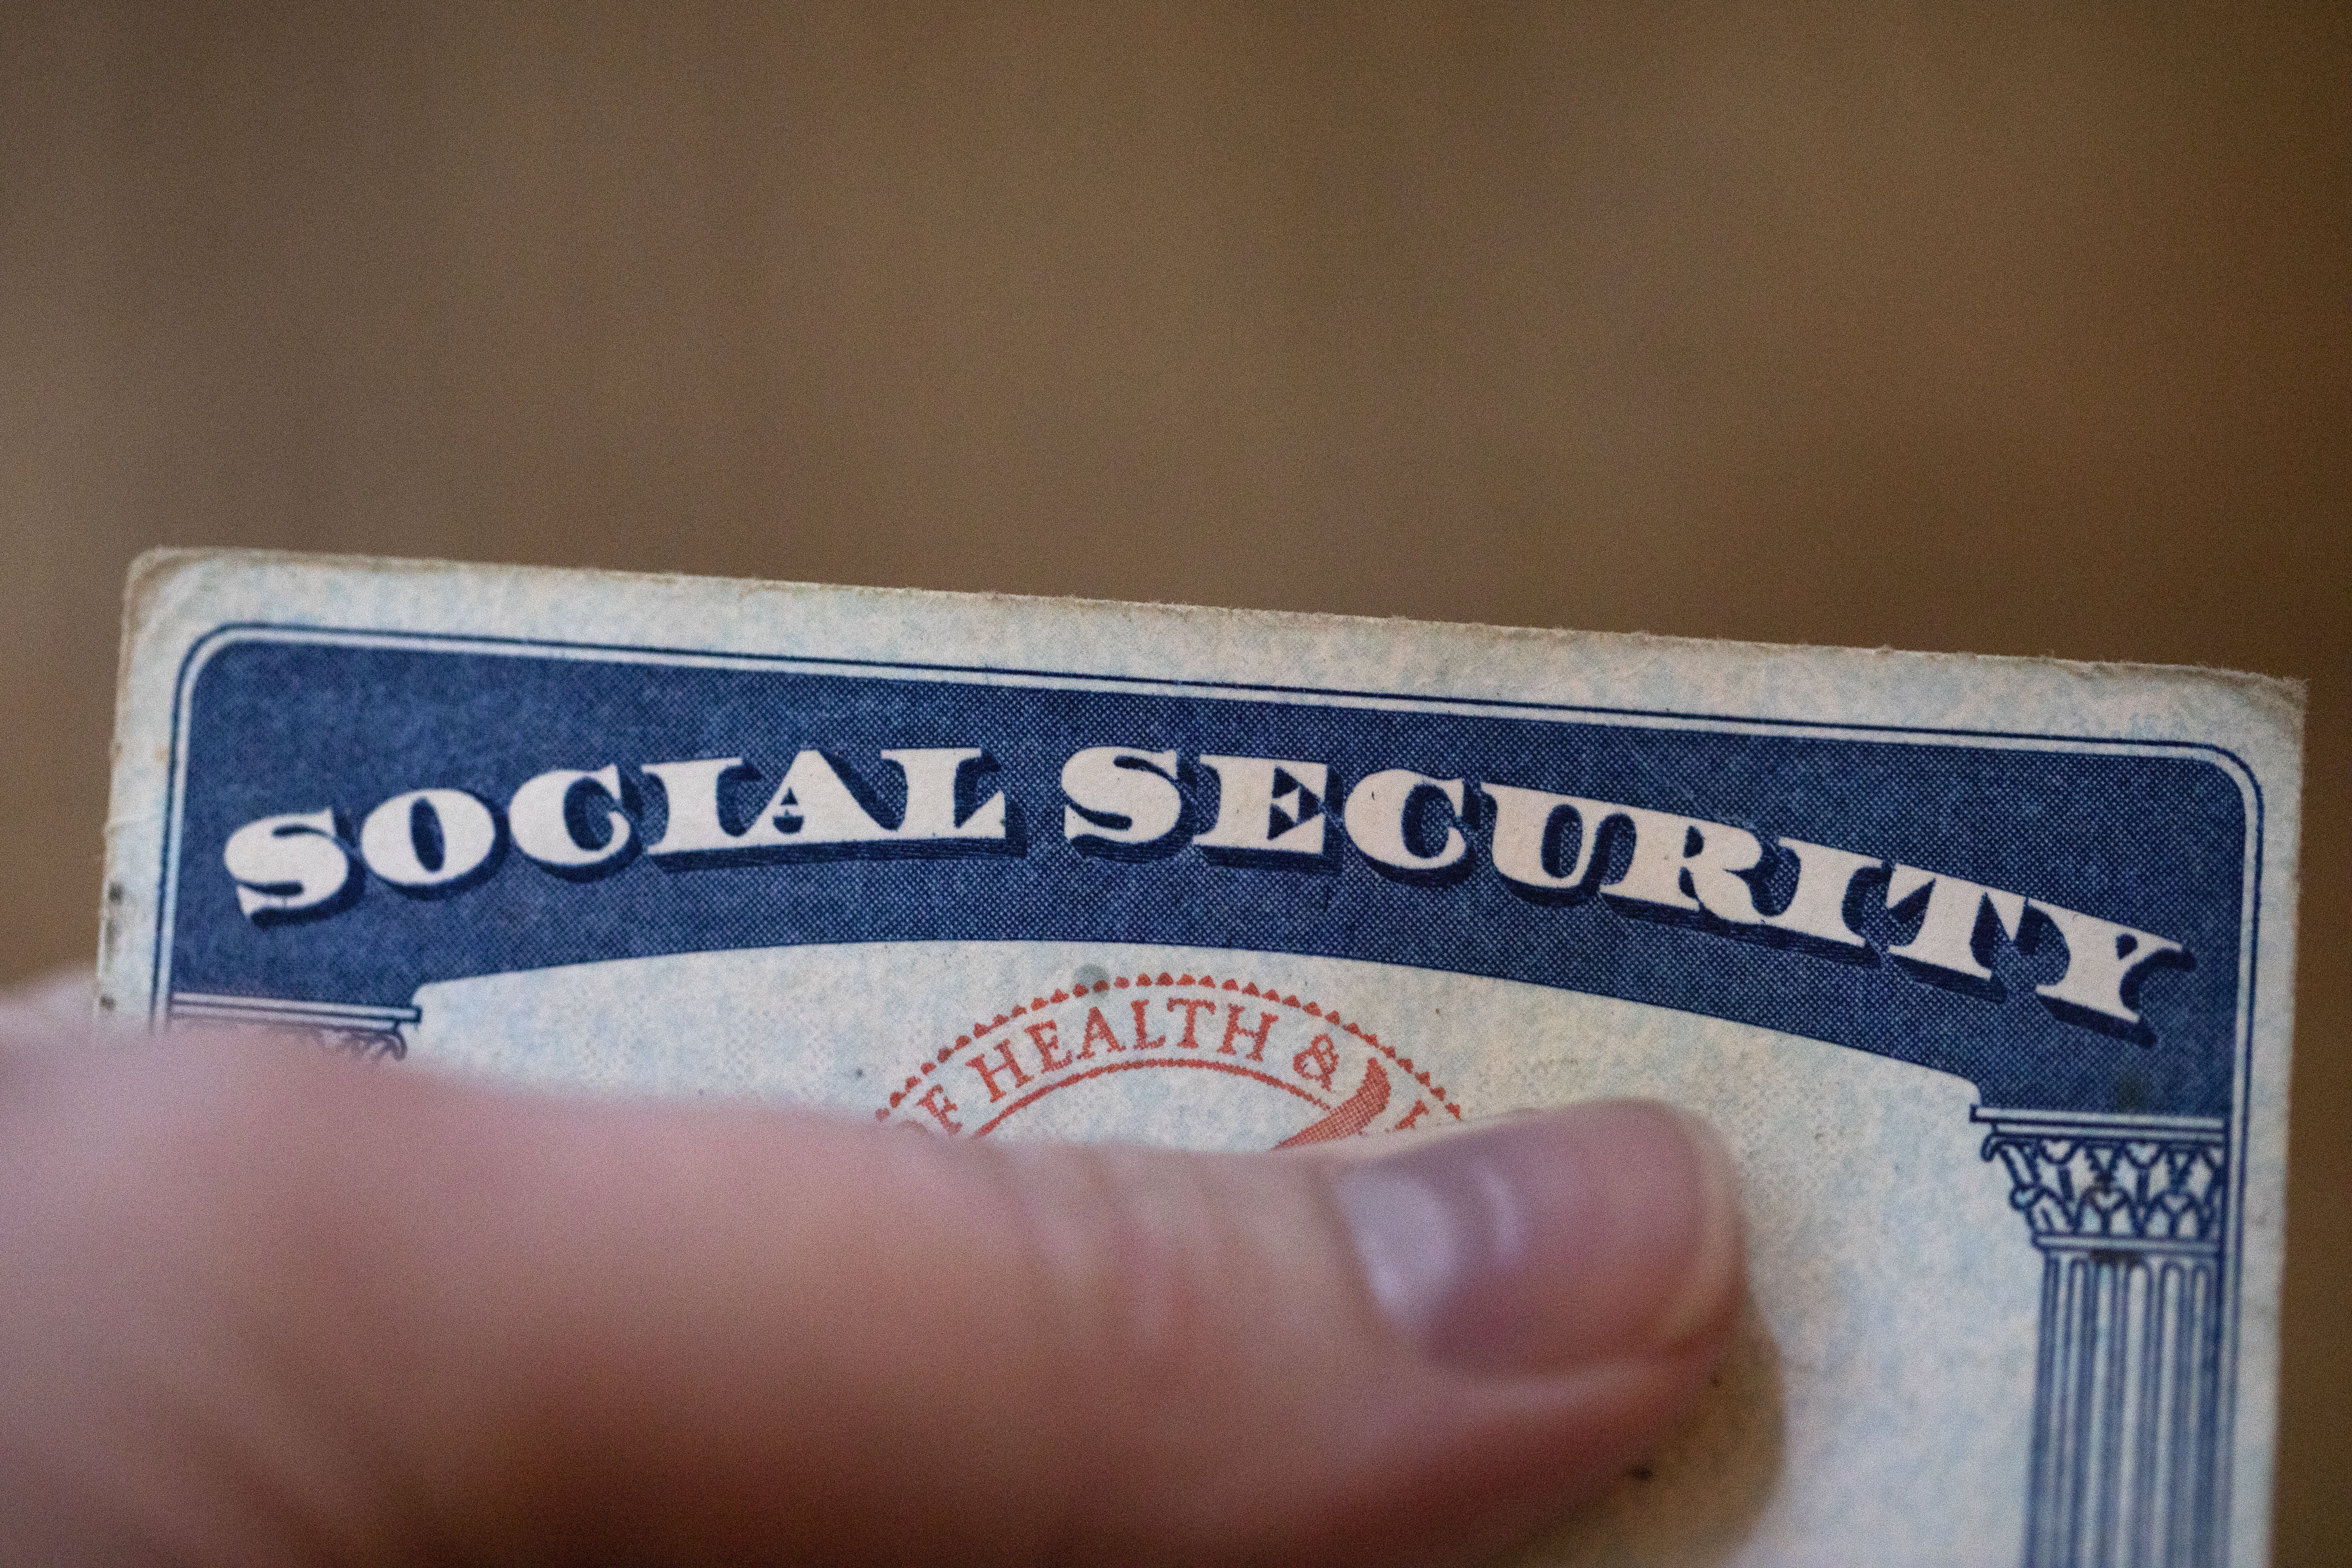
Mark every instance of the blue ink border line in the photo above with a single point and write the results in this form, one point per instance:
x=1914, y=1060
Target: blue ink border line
x=201, y=652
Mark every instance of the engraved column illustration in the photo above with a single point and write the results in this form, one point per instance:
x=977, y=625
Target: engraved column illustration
x=2128, y=1213
x=371, y=1033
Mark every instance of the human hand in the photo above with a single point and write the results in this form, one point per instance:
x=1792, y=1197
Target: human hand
x=258, y=1304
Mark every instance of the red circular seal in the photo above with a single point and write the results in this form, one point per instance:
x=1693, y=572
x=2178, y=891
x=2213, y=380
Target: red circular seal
x=1157, y=1053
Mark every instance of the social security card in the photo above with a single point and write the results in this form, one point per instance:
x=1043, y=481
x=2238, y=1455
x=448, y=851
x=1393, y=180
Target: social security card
x=1982, y=965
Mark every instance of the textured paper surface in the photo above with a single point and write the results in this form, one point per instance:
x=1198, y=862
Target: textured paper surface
x=1983, y=965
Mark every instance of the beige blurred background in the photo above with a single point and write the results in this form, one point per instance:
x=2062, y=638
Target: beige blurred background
x=2020, y=330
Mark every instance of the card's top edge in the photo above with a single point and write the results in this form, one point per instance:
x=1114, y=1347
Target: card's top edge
x=154, y=571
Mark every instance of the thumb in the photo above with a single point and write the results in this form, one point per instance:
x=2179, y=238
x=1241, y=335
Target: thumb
x=389, y=1315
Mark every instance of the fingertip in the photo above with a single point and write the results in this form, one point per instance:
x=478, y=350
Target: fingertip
x=1548, y=1242
x=1709, y=1297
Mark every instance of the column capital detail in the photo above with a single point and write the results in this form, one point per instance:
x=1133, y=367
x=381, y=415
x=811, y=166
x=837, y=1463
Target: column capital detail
x=2133, y=1183
x=370, y=1032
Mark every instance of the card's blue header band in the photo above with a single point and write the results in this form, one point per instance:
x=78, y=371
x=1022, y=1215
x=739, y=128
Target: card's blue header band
x=2060, y=923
